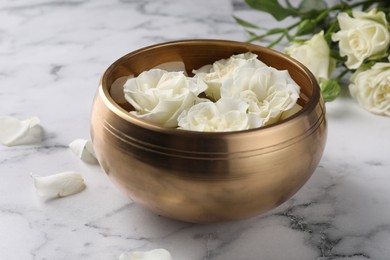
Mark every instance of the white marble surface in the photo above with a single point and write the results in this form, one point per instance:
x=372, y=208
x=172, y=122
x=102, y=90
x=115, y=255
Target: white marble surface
x=52, y=54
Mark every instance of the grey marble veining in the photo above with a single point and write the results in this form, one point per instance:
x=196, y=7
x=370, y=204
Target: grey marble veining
x=52, y=54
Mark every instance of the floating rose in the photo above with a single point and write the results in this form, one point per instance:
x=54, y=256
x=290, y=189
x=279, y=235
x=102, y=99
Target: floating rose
x=221, y=71
x=227, y=114
x=268, y=91
x=160, y=96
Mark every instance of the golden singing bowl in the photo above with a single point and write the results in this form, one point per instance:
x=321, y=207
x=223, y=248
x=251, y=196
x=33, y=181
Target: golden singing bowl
x=206, y=177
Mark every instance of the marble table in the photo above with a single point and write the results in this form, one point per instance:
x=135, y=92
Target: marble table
x=52, y=54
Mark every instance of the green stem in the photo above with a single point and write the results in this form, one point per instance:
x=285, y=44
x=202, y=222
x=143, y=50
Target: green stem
x=276, y=41
x=273, y=32
x=341, y=75
x=331, y=29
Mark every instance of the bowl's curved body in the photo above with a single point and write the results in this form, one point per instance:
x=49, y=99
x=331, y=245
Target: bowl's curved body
x=206, y=177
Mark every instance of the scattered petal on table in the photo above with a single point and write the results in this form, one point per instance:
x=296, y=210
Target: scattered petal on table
x=19, y=132
x=155, y=254
x=58, y=185
x=84, y=150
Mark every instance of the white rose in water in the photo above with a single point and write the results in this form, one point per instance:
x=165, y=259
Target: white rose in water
x=223, y=70
x=268, y=92
x=363, y=36
x=315, y=55
x=371, y=88
x=160, y=96
x=227, y=114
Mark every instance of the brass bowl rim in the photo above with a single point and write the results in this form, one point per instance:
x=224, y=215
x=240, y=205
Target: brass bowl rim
x=121, y=112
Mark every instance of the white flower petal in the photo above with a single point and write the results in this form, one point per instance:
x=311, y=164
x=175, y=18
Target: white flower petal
x=290, y=112
x=58, y=185
x=315, y=55
x=18, y=132
x=222, y=71
x=155, y=254
x=363, y=36
x=83, y=149
x=371, y=88
x=160, y=96
x=227, y=114
x=268, y=91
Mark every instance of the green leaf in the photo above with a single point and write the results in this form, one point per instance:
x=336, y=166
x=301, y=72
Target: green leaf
x=276, y=30
x=306, y=26
x=252, y=34
x=273, y=8
x=367, y=65
x=245, y=23
x=330, y=89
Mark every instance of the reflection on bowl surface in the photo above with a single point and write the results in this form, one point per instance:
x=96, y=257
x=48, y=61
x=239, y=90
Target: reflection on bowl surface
x=207, y=177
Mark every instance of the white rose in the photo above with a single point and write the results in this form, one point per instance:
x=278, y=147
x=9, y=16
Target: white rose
x=223, y=70
x=315, y=55
x=227, y=114
x=160, y=96
x=371, y=88
x=363, y=36
x=269, y=92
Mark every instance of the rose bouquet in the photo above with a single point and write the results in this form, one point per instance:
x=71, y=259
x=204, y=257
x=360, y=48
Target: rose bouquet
x=349, y=39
